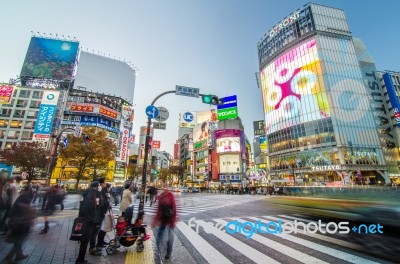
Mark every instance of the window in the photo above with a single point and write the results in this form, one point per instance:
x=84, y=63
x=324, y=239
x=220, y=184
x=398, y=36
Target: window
x=3, y=123
x=22, y=103
x=5, y=112
x=29, y=124
x=37, y=94
x=27, y=135
x=12, y=134
x=34, y=104
x=16, y=124
x=19, y=113
x=32, y=114
x=24, y=93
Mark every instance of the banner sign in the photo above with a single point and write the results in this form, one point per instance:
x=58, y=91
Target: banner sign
x=107, y=112
x=394, y=101
x=6, y=92
x=156, y=144
x=259, y=128
x=81, y=108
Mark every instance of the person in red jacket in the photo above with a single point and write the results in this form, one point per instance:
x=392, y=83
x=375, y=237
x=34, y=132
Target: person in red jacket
x=165, y=219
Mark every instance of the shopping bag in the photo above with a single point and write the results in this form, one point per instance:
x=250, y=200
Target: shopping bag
x=80, y=230
x=107, y=224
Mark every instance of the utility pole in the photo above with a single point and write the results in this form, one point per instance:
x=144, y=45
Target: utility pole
x=54, y=153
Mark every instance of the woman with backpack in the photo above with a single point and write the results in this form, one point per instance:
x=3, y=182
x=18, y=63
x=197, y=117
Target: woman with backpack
x=165, y=219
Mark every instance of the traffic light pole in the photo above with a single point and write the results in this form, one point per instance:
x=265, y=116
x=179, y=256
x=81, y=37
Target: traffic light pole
x=54, y=153
x=146, y=153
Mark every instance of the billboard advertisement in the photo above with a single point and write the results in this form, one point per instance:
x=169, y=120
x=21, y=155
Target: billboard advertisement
x=124, y=134
x=394, y=101
x=201, y=132
x=187, y=119
x=44, y=122
x=50, y=59
x=6, y=92
x=259, y=128
x=156, y=144
x=101, y=74
x=292, y=88
x=228, y=144
x=230, y=163
x=228, y=110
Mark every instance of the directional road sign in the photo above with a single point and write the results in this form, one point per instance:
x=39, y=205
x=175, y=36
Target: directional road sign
x=163, y=114
x=187, y=91
x=152, y=111
x=158, y=125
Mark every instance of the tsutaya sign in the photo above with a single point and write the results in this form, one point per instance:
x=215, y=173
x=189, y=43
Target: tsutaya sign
x=326, y=168
x=287, y=21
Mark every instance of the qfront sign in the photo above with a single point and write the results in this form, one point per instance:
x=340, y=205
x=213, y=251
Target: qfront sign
x=326, y=168
x=284, y=23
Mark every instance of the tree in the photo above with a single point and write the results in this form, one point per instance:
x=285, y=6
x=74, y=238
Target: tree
x=29, y=156
x=91, y=153
x=175, y=170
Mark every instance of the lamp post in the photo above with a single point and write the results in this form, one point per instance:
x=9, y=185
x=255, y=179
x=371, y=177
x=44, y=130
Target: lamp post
x=54, y=153
x=146, y=153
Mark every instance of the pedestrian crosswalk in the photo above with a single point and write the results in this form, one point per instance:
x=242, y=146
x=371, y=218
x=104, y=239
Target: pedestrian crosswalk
x=194, y=204
x=239, y=240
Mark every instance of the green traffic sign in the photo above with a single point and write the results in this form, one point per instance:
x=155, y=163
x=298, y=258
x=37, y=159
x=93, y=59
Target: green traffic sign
x=227, y=113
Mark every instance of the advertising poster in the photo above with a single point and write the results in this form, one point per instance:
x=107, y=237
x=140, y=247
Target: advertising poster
x=156, y=144
x=187, y=119
x=45, y=118
x=6, y=92
x=50, y=59
x=124, y=134
x=228, y=110
x=293, y=90
x=228, y=144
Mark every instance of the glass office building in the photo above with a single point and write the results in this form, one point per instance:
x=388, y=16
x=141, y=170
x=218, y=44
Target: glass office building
x=320, y=128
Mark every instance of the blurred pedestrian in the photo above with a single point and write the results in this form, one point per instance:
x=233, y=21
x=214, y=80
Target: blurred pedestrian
x=104, y=208
x=51, y=198
x=22, y=217
x=126, y=199
x=11, y=194
x=90, y=210
x=165, y=219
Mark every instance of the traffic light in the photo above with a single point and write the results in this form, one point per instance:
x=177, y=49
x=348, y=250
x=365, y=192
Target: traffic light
x=211, y=99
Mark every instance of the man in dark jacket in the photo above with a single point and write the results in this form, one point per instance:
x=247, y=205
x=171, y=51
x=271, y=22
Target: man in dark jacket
x=21, y=219
x=90, y=210
x=105, y=207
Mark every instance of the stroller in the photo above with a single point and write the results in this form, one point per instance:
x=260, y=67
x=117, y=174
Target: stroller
x=127, y=237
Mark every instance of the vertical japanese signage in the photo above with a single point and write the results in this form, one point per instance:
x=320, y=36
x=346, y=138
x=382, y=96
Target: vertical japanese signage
x=44, y=122
x=6, y=92
x=124, y=133
x=394, y=101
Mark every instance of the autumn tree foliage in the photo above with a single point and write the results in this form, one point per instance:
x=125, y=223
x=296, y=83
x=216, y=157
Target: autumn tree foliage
x=90, y=153
x=29, y=156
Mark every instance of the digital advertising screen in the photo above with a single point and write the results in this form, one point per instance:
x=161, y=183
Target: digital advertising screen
x=50, y=59
x=292, y=88
x=228, y=144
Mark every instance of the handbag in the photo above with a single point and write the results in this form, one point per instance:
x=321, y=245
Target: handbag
x=107, y=224
x=80, y=230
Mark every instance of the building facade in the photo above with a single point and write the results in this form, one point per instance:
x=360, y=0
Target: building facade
x=320, y=128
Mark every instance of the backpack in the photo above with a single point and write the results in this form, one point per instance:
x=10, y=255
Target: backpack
x=167, y=210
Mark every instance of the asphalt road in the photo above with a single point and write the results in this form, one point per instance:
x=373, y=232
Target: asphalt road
x=201, y=235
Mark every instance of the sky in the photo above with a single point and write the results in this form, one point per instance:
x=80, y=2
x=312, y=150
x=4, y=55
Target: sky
x=207, y=44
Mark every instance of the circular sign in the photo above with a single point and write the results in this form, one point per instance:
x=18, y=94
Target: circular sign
x=24, y=175
x=163, y=114
x=50, y=96
x=151, y=111
x=188, y=117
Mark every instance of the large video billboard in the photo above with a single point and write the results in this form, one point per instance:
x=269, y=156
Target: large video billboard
x=293, y=89
x=50, y=59
x=392, y=97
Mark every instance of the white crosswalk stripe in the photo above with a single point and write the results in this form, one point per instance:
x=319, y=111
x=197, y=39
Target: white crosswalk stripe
x=206, y=238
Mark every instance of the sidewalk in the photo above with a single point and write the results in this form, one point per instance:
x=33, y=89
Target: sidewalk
x=55, y=246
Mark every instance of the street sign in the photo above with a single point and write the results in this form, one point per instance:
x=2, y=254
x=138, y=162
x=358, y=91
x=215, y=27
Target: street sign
x=187, y=91
x=151, y=111
x=163, y=114
x=78, y=131
x=158, y=125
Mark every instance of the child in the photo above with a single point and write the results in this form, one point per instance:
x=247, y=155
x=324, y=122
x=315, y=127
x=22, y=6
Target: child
x=140, y=226
x=121, y=226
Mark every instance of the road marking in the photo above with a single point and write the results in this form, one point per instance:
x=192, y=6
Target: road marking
x=202, y=246
x=324, y=249
x=295, y=254
x=238, y=245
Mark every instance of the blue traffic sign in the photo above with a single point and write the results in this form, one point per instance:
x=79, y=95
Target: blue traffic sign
x=152, y=111
x=188, y=117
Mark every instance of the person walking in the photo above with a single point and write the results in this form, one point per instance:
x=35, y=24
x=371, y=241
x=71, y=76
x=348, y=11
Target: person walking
x=165, y=219
x=106, y=206
x=90, y=210
x=126, y=199
x=22, y=217
x=50, y=200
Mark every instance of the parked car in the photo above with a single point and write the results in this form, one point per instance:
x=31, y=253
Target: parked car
x=184, y=190
x=176, y=190
x=193, y=190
